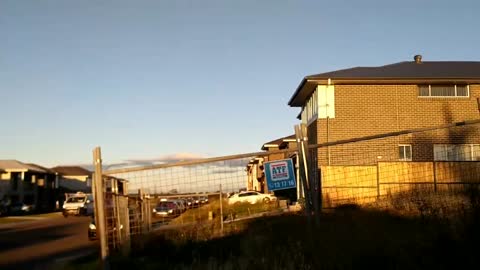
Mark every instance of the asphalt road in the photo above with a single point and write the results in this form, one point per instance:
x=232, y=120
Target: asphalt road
x=44, y=242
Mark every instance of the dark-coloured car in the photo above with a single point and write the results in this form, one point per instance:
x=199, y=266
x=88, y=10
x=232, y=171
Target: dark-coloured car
x=182, y=204
x=203, y=199
x=3, y=209
x=92, y=230
x=92, y=227
x=189, y=202
x=167, y=209
x=20, y=208
x=196, y=201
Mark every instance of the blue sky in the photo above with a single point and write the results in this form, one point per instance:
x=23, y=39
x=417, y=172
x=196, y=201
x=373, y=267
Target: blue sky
x=151, y=79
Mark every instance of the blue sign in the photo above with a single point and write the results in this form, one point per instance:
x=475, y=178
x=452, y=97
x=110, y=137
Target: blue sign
x=280, y=174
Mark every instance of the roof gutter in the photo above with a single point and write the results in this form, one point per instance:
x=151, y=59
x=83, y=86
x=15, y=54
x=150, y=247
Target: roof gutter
x=293, y=102
x=393, y=80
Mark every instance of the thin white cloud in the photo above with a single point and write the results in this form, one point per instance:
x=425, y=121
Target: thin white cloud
x=171, y=158
x=167, y=158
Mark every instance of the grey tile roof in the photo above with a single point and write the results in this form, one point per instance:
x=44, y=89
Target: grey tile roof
x=458, y=71
x=408, y=70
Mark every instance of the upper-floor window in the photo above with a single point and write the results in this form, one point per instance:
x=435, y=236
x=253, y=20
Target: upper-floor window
x=320, y=105
x=434, y=90
x=310, y=109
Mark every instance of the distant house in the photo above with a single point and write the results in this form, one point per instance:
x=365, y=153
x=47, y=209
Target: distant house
x=364, y=101
x=28, y=183
x=255, y=169
x=288, y=142
x=73, y=178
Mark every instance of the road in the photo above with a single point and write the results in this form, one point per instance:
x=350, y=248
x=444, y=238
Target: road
x=44, y=242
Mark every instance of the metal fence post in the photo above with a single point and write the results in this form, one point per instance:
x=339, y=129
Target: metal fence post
x=312, y=173
x=303, y=171
x=118, y=220
x=100, y=208
x=149, y=212
x=221, y=210
x=142, y=210
x=125, y=221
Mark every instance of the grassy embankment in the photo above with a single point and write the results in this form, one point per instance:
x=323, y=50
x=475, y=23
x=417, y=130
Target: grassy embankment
x=347, y=238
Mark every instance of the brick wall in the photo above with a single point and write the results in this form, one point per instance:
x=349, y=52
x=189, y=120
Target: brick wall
x=362, y=110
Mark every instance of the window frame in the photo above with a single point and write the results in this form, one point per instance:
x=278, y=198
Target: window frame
x=404, y=146
x=455, y=147
x=311, y=108
x=454, y=85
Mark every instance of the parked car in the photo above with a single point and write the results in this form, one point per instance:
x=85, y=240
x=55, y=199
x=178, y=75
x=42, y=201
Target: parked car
x=3, y=209
x=167, y=209
x=190, y=202
x=195, y=201
x=20, y=208
x=92, y=230
x=78, y=204
x=251, y=197
x=203, y=199
x=181, y=204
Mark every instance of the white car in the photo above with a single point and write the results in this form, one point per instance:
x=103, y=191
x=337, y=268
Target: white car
x=78, y=204
x=251, y=197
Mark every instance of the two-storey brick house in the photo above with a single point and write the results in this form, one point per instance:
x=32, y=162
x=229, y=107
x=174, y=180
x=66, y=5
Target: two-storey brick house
x=364, y=101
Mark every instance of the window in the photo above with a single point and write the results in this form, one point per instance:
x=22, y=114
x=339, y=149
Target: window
x=456, y=152
x=321, y=104
x=405, y=152
x=75, y=199
x=310, y=110
x=443, y=90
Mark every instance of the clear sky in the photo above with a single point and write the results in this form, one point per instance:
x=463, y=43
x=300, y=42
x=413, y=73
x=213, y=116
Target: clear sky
x=151, y=79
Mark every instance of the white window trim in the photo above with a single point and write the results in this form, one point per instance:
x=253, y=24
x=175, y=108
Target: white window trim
x=411, y=152
x=430, y=93
x=311, y=108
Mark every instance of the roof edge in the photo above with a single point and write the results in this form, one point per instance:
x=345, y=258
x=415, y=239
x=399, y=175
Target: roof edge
x=297, y=91
x=295, y=102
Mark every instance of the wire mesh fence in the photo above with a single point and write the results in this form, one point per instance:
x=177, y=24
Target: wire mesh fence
x=206, y=197
x=431, y=171
x=414, y=173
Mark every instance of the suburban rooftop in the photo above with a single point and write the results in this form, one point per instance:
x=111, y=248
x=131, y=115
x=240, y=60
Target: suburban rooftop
x=402, y=72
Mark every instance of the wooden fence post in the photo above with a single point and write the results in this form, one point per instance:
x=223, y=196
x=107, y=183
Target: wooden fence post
x=378, y=180
x=100, y=208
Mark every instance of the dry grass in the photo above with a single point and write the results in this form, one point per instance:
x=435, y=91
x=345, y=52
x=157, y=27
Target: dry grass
x=423, y=236
x=348, y=238
x=211, y=212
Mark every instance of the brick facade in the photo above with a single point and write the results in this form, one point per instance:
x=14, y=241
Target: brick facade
x=363, y=110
